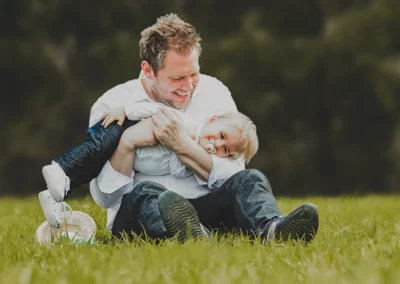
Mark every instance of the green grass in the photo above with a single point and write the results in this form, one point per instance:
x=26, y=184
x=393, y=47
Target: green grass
x=358, y=242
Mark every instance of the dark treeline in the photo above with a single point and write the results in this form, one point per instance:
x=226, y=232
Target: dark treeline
x=320, y=78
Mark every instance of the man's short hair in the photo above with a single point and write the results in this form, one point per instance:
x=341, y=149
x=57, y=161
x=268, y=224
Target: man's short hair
x=168, y=33
x=248, y=140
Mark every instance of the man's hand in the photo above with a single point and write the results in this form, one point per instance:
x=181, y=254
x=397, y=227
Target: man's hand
x=169, y=128
x=117, y=113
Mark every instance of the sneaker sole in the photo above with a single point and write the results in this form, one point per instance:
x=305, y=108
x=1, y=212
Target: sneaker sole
x=49, y=217
x=303, y=224
x=179, y=216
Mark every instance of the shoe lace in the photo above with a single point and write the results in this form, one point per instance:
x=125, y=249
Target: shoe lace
x=66, y=206
x=67, y=184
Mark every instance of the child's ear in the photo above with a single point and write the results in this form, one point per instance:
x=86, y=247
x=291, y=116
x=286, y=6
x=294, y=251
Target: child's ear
x=147, y=70
x=214, y=118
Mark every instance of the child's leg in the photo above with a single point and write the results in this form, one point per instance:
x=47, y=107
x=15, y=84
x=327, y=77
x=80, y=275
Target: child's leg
x=84, y=162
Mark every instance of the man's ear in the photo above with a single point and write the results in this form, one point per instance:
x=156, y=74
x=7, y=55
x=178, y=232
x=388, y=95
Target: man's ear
x=147, y=70
x=213, y=118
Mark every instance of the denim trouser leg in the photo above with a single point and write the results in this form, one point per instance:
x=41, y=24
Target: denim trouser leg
x=139, y=212
x=84, y=162
x=245, y=201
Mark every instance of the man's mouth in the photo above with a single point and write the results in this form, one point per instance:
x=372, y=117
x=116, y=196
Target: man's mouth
x=181, y=94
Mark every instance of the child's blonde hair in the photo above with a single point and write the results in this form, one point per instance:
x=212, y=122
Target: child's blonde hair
x=248, y=140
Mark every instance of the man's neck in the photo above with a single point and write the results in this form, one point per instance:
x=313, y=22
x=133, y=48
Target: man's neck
x=146, y=83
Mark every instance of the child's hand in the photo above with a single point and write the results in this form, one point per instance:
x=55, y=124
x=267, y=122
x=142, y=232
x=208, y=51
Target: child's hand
x=117, y=113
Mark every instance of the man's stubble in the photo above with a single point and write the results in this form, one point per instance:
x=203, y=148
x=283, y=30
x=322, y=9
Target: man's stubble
x=167, y=100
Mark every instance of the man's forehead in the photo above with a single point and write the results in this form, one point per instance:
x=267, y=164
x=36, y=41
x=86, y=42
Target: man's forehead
x=177, y=64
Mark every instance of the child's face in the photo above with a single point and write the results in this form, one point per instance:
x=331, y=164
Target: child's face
x=220, y=135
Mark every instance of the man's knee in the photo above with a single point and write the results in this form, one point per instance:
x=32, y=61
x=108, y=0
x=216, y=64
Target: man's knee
x=143, y=191
x=250, y=175
x=149, y=187
x=247, y=180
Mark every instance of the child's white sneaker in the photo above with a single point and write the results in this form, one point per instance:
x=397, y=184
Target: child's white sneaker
x=56, y=180
x=53, y=211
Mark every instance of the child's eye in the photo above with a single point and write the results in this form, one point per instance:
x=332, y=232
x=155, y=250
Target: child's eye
x=226, y=150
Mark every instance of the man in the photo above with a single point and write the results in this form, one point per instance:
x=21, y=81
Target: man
x=221, y=194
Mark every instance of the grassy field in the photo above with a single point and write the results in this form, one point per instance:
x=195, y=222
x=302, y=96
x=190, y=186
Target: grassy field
x=358, y=242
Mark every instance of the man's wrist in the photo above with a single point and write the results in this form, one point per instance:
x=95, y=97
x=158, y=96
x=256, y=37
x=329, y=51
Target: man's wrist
x=184, y=146
x=195, y=158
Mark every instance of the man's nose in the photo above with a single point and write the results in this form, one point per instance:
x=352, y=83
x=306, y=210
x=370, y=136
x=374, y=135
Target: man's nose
x=187, y=84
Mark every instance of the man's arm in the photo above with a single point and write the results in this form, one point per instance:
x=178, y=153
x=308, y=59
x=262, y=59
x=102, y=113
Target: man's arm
x=138, y=135
x=109, y=186
x=209, y=169
x=195, y=158
x=217, y=99
x=116, y=177
x=169, y=129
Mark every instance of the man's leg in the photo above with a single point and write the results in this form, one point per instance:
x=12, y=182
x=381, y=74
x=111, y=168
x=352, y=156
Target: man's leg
x=246, y=202
x=139, y=213
x=151, y=210
x=180, y=218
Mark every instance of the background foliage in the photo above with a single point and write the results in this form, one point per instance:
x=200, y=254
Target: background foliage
x=320, y=79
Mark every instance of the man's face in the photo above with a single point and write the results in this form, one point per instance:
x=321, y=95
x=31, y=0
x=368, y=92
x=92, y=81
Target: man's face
x=177, y=80
x=223, y=136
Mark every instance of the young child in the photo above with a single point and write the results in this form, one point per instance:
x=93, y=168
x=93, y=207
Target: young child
x=230, y=135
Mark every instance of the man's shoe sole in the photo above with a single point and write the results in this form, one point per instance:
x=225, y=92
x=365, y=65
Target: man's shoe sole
x=179, y=216
x=302, y=224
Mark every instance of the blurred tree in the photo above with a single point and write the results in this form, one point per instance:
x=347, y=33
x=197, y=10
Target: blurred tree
x=319, y=78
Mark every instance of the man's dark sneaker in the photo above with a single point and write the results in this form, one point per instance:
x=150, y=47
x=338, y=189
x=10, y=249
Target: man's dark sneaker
x=300, y=224
x=179, y=217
